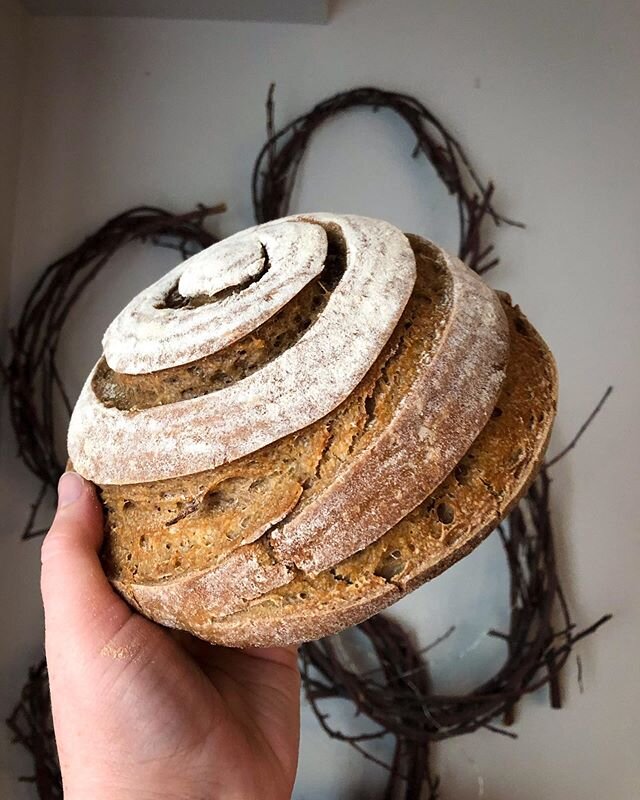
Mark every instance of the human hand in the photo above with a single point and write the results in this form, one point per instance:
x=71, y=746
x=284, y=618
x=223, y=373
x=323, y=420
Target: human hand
x=147, y=714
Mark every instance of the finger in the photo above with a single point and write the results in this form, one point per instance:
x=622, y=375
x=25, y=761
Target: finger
x=81, y=608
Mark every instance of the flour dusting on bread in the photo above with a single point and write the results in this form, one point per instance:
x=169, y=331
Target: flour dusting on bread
x=297, y=426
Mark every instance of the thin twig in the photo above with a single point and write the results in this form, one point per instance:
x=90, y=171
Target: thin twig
x=276, y=167
x=581, y=430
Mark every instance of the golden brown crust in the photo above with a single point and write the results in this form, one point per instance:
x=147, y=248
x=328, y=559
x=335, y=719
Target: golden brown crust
x=487, y=484
x=443, y=407
x=397, y=436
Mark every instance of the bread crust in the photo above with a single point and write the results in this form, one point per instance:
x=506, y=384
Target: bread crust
x=442, y=412
x=453, y=393
x=307, y=619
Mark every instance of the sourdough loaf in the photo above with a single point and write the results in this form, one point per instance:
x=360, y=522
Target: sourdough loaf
x=312, y=499
x=326, y=513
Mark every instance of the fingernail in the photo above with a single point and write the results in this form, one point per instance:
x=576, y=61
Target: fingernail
x=70, y=487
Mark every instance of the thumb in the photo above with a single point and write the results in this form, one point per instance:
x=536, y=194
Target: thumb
x=81, y=609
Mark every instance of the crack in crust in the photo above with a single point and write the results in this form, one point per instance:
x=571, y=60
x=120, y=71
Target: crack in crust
x=267, y=479
x=233, y=363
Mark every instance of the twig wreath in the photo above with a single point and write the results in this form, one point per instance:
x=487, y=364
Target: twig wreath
x=396, y=695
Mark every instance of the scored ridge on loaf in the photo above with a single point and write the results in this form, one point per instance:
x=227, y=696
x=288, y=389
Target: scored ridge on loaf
x=300, y=386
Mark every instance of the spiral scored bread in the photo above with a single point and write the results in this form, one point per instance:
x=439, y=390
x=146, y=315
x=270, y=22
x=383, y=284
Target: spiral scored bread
x=273, y=421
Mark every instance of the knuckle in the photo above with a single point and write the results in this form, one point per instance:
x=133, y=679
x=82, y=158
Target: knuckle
x=55, y=543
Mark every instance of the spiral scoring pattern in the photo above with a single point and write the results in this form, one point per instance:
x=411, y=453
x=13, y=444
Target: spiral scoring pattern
x=226, y=292
x=147, y=335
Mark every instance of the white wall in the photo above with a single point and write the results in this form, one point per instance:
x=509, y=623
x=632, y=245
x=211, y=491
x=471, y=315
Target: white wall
x=12, y=29
x=21, y=619
x=266, y=10
x=545, y=97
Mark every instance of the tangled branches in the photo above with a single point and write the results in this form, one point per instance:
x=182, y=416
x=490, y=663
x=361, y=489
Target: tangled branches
x=396, y=696
x=32, y=726
x=278, y=162
x=35, y=389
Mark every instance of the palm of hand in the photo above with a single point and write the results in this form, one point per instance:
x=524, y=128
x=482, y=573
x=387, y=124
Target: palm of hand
x=221, y=722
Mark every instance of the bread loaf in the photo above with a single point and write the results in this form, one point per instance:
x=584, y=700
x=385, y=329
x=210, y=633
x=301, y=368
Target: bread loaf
x=271, y=420
x=462, y=511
